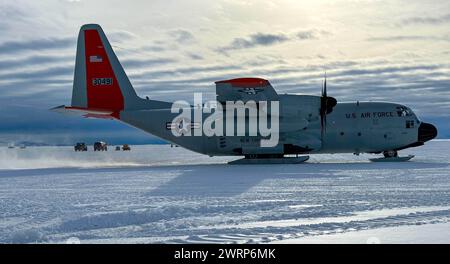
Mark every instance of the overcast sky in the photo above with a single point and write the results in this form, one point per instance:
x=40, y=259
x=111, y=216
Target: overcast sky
x=371, y=50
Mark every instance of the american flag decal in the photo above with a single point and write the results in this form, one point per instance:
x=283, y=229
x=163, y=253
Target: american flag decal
x=95, y=58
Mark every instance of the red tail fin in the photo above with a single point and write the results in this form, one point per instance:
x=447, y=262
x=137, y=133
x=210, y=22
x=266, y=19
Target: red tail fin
x=103, y=90
x=100, y=83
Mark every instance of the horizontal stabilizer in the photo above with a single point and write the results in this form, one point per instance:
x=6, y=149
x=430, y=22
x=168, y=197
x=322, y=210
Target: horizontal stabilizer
x=84, y=112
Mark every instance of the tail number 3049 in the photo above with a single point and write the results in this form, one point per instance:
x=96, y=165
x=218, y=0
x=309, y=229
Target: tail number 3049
x=102, y=81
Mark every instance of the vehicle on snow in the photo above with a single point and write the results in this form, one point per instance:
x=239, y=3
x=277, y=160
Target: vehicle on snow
x=80, y=146
x=100, y=146
x=126, y=147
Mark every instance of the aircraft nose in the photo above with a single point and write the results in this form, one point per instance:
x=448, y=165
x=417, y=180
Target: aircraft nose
x=427, y=132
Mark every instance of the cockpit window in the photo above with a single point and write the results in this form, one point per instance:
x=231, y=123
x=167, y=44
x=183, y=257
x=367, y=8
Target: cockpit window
x=403, y=111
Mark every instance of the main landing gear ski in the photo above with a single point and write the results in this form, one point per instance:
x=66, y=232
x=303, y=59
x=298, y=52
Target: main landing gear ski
x=269, y=160
x=391, y=156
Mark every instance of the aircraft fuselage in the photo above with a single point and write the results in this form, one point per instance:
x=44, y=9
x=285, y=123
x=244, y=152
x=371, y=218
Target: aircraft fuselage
x=353, y=127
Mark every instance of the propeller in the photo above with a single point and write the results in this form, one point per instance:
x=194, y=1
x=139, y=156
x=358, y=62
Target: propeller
x=326, y=106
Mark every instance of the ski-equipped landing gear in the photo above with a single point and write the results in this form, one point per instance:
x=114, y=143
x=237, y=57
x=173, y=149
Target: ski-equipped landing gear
x=269, y=159
x=392, y=156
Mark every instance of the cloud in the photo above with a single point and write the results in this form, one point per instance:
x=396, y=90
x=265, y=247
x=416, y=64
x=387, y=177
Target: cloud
x=34, y=61
x=145, y=63
x=269, y=39
x=138, y=51
x=13, y=47
x=421, y=20
x=185, y=72
x=388, y=70
x=311, y=34
x=182, y=36
x=254, y=40
x=258, y=39
x=153, y=48
x=194, y=56
x=46, y=73
x=120, y=36
x=261, y=39
x=409, y=38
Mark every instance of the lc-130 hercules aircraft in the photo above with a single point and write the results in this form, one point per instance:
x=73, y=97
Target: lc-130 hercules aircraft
x=307, y=124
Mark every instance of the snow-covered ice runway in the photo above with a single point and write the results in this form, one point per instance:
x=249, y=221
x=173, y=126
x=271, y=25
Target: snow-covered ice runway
x=160, y=194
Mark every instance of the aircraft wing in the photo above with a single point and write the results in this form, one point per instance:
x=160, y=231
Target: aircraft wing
x=245, y=89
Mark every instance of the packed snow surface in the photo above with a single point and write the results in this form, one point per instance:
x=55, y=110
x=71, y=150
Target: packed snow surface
x=159, y=194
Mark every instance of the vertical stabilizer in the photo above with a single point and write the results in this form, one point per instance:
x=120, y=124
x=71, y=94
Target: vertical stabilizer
x=100, y=83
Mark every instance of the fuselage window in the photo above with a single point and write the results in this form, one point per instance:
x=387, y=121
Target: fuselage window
x=409, y=123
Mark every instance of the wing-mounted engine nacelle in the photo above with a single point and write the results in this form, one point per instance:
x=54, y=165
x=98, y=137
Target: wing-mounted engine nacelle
x=328, y=103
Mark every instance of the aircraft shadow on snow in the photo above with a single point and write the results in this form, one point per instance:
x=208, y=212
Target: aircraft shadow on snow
x=227, y=180
x=224, y=180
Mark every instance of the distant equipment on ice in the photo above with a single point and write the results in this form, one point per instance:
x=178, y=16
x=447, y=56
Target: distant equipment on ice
x=100, y=146
x=126, y=147
x=80, y=146
x=12, y=145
